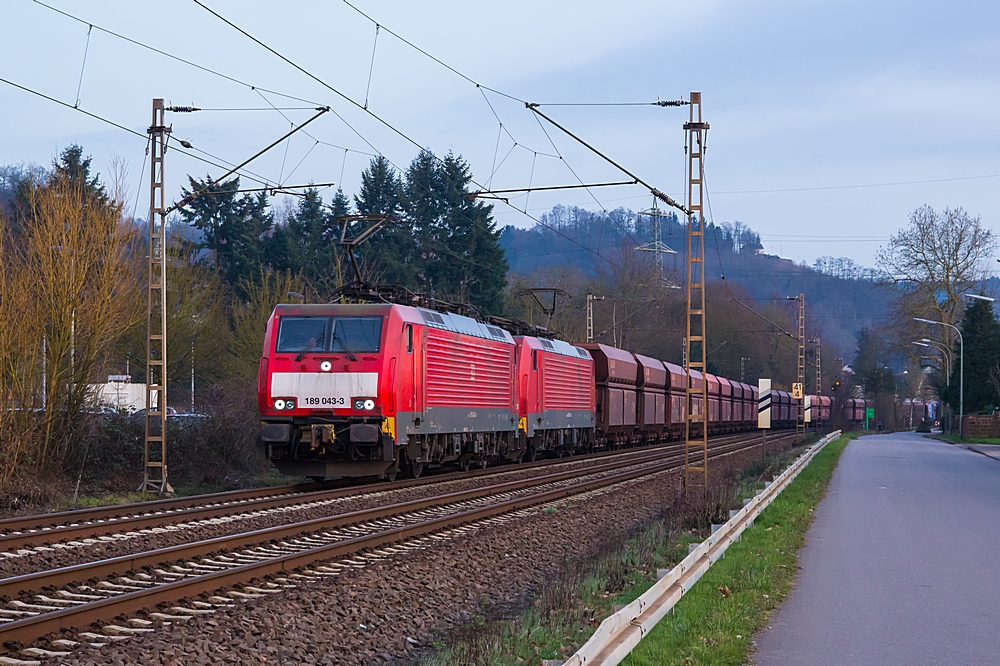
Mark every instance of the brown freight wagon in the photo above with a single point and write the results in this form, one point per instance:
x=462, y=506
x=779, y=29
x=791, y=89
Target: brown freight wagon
x=651, y=399
x=614, y=378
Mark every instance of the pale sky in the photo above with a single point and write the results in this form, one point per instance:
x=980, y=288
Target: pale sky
x=801, y=96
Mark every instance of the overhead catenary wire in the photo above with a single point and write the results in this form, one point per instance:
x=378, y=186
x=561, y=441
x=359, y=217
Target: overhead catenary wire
x=83, y=66
x=374, y=116
x=371, y=67
x=144, y=137
x=425, y=53
x=214, y=161
x=300, y=99
x=194, y=195
x=655, y=192
x=170, y=55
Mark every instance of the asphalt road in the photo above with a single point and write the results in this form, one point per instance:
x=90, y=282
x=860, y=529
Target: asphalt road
x=902, y=563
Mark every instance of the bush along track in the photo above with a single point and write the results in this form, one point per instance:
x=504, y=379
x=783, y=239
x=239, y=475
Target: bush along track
x=715, y=621
x=570, y=605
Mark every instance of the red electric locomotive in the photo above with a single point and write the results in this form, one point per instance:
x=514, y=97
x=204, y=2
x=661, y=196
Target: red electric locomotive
x=556, y=389
x=361, y=390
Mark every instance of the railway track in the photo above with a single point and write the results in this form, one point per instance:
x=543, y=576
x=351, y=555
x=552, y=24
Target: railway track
x=18, y=534
x=220, y=570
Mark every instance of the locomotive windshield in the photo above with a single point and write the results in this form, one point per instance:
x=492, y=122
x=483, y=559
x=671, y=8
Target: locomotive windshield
x=313, y=334
x=356, y=334
x=300, y=334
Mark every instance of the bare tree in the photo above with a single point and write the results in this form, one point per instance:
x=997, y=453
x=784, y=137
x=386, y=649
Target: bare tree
x=71, y=268
x=936, y=259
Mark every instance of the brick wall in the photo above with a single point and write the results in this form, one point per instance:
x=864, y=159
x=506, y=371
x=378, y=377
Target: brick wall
x=981, y=426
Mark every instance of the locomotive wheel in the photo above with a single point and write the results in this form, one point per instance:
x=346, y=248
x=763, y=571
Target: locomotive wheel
x=466, y=464
x=416, y=469
x=390, y=475
x=482, y=463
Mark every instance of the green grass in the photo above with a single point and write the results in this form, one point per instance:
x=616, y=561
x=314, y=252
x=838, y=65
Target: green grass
x=715, y=621
x=94, y=500
x=569, y=606
x=970, y=440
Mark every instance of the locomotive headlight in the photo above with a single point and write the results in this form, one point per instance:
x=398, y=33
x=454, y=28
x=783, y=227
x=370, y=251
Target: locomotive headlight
x=325, y=366
x=369, y=404
x=289, y=404
x=279, y=404
x=364, y=403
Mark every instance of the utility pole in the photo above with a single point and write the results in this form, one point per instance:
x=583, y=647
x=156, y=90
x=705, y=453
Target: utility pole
x=155, y=452
x=800, y=421
x=819, y=383
x=590, y=315
x=696, y=341
x=743, y=368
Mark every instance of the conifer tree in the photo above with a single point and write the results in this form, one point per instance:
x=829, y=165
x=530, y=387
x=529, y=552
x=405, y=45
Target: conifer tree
x=981, y=334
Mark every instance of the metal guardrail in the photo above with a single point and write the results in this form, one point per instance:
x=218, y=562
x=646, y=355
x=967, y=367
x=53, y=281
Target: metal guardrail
x=618, y=635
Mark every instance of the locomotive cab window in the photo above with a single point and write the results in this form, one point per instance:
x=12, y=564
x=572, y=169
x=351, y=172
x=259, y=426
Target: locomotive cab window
x=302, y=334
x=356, y=334
x=346, y=335
x=409, y=338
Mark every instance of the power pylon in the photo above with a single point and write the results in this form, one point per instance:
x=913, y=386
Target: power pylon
x=696, y=348
x=657, y=246
x=155, y=450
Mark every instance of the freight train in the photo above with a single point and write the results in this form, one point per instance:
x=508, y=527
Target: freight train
x=352, y=390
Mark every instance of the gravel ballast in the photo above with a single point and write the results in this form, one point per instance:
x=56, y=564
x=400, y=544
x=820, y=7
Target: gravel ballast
x=174, y=533
x=394, y=609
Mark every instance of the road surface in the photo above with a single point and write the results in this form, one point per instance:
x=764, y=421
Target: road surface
x=902, y=563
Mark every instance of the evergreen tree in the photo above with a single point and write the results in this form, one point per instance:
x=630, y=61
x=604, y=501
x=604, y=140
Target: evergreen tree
x=871, y=365
x=981, y=333
x=459, y=249
x=246, y=251
x=392, y=252
x=70, y=169
x=312, y=234
x=73, y=168
x=215, y=211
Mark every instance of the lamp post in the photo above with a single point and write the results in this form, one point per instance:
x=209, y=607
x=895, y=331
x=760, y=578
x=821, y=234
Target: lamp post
x=945, y=352
x=961, y=371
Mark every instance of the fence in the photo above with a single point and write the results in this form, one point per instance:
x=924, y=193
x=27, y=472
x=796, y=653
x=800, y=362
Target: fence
x=618, y=635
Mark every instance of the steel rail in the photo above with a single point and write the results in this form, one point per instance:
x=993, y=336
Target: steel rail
x=44, y=521
x=29, y=629
x=108, y=520
x=118, y=565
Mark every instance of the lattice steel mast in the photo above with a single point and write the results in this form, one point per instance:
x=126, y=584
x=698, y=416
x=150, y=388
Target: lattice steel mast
x=800, y=421
x=696, y=344
x=155, y=452
x=819, y=384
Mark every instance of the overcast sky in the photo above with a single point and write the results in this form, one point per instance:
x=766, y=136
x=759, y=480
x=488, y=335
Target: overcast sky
x=807, y=98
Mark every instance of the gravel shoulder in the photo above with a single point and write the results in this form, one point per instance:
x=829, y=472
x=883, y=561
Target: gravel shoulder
x=393, y=610
x=172, y=534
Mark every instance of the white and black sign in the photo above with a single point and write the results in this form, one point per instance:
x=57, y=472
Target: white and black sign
x=764, y=403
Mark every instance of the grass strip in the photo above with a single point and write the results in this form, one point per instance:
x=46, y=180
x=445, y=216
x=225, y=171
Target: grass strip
x=968, y=440
x=568, y=607
x=715, y=621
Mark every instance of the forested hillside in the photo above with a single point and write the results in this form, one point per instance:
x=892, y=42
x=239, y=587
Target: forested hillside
x=841, y=297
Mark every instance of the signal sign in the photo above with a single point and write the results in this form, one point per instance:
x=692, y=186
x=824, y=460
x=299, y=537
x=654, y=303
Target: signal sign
x=797, y=390
x=764, y=403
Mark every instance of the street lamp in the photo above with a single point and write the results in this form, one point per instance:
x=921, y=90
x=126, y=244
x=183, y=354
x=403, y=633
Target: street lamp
x=961, y=371
x=945, y=352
